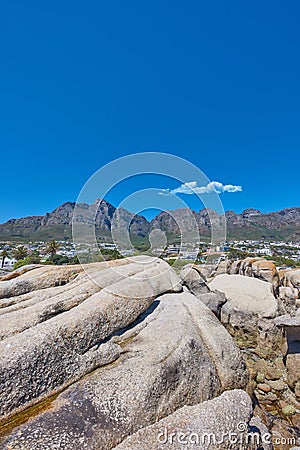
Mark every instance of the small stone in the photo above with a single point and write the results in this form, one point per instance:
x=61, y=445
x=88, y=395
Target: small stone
x=260, y=396
x=269, y=407
x=260, y=377
x=289, y=410
x=282, y=404
x=271, y=397
x=273, y=373
x=277, y=385
x=264, y=387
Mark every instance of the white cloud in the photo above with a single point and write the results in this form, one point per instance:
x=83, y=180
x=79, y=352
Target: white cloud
x=192, y=187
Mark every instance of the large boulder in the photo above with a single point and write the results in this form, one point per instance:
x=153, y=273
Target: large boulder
x=205, y=270
x=266, y=271
x=219, y=424
x=248, y=295
x=223, y=267
x=192, y=278
x=246, y=314
x=251, y=267
x=177, y=354
x=214, y=300
x=246, y=266
x=27, y=310
x=235, y=267
x=291, y=278
x=53, y=338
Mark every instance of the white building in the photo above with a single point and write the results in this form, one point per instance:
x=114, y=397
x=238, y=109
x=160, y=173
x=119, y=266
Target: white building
x=264, y=251
x=188, y=255
x=8, y=263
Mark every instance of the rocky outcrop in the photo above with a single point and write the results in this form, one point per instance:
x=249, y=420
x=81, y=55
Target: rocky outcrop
x=285, y=283
x=41, y=278
x=266, y=271
x=256, y=300
x=246, y=295
x=102, y=355
x=251, y=267
x=53, y=338
x=270, y=344
x=222, y=423
x=123, y=345
x=246, y=314
x=28, y=310
x=177, y=354
x=291, y=278
x=192, y=278
x=205, y=270
x=16, y=273
x=223, y=267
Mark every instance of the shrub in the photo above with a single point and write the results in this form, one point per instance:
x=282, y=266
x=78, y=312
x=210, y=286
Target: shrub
x=20, y=263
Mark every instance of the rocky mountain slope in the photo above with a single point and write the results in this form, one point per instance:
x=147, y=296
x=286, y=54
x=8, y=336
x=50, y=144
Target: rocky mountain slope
x=58, y=223
x=251, y=223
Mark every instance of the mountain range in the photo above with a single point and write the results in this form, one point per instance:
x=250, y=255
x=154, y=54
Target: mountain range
x=250, y=224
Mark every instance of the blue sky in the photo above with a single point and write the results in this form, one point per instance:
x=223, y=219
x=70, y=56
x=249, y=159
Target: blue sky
x=214, y=82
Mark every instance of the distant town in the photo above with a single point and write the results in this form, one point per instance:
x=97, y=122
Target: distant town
x=14, y=255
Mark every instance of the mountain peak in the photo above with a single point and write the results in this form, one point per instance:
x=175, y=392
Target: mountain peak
x=249, y=212
x=250, y=224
